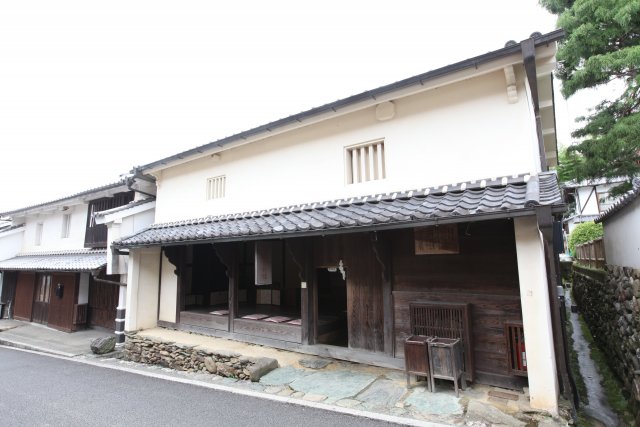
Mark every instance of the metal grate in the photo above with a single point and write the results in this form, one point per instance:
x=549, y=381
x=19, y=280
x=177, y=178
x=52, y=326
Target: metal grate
x=444, y=320
x=514, y=334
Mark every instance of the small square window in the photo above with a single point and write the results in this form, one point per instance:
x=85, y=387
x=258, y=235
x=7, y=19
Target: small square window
x=216, y=187
x=365, y=162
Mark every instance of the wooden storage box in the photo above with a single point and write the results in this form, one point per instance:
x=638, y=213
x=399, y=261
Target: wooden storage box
x=416, y=357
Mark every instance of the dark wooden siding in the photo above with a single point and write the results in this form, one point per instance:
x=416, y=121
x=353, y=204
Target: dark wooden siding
x=483, y=274
x=23, y=304
x=61, y=309
x=96, y=234
x=103, y=302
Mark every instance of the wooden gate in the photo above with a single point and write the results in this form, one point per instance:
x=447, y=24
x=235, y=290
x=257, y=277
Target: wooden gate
x=23, y=304
x=103, y=302
x=41, y=299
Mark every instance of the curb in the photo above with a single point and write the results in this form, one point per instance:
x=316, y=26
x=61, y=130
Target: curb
x=35, y=349
x=218, y=387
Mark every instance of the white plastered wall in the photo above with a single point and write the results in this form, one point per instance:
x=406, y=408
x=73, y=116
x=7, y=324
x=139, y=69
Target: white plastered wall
x=622, y=236
x=142, y=289
x=536, y=315
x=168, y=291
x=52, y=230
x=11, y=243
x=464, y=131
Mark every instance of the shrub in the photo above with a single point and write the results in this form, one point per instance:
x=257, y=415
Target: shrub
x=583, y=233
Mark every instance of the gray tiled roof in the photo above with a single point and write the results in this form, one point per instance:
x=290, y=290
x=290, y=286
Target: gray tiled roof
x=626, y=199
x=71, y=260
x=499, y=197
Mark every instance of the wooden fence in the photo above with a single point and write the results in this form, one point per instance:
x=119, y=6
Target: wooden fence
x=591, y=253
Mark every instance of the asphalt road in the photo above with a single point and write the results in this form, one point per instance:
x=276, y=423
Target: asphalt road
x=38, y=390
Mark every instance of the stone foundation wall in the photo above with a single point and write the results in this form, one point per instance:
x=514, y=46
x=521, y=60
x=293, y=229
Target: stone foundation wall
x=608, y=300
x=193, y=359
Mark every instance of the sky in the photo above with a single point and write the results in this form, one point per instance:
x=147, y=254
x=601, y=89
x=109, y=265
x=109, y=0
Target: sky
x=90, y=89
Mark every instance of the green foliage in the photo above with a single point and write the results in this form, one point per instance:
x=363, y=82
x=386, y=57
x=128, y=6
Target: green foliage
x=602, y=45
x=584, y=233
x=569, y=162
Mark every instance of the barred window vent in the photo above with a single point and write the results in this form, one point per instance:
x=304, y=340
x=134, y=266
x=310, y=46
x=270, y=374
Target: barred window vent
x=216, y=187
x=365, y=162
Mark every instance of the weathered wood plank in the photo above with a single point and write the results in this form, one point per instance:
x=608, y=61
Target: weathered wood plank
x=284, y=332
x=205, y=320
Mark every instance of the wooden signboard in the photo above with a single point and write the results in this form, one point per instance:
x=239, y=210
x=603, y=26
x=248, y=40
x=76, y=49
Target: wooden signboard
x=436, y=240
x=263, y=264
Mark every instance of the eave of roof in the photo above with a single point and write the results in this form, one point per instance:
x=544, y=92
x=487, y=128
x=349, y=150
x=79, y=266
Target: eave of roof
x=478, y=200
x=122, y=208
x=624, y=201
x=417, y=80
x=64, y=199
x=71, y=260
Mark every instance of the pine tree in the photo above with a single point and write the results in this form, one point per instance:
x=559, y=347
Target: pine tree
x=602, y=45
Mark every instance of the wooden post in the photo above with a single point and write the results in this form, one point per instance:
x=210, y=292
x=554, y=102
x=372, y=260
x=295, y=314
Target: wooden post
x=229, y=256
x=301, y=251
x=382, y=250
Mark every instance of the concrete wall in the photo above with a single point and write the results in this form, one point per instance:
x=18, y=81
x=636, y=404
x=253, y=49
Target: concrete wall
x=52, y=230
x=464, y=131
x=536, y=315
x=622, y=236
x=168, y=291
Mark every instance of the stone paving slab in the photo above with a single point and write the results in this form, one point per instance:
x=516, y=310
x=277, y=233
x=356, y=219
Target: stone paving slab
x=382, y=394
x=335, y=385
x=440, y=404
x=282, y=376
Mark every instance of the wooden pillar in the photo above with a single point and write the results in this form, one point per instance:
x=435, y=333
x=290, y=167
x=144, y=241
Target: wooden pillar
x=229, y=256
x=301, y=251
x=382, y=250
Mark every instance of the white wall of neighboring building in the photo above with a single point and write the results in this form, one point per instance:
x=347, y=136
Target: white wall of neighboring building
x=168, y=291
x=52, y=222
x=622, y=236
x=463, y=131
x=125, y=223
x=11, y=243
x=142, y=289
x=590, y=202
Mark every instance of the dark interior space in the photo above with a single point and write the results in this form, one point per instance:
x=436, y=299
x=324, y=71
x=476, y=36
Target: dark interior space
x=332, y=307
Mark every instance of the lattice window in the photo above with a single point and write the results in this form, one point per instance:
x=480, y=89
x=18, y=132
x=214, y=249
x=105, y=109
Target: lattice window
x=365, y=162
x=444, y=320
x=216, y=187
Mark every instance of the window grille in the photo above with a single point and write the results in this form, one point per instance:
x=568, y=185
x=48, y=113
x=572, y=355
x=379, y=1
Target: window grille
x=365, y=162
x=216, y=187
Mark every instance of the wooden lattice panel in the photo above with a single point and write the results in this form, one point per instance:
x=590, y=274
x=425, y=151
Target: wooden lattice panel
x=444, y=320
x=514, y=334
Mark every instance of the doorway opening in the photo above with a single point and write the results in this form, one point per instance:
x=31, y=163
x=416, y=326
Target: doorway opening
x=333, y=327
